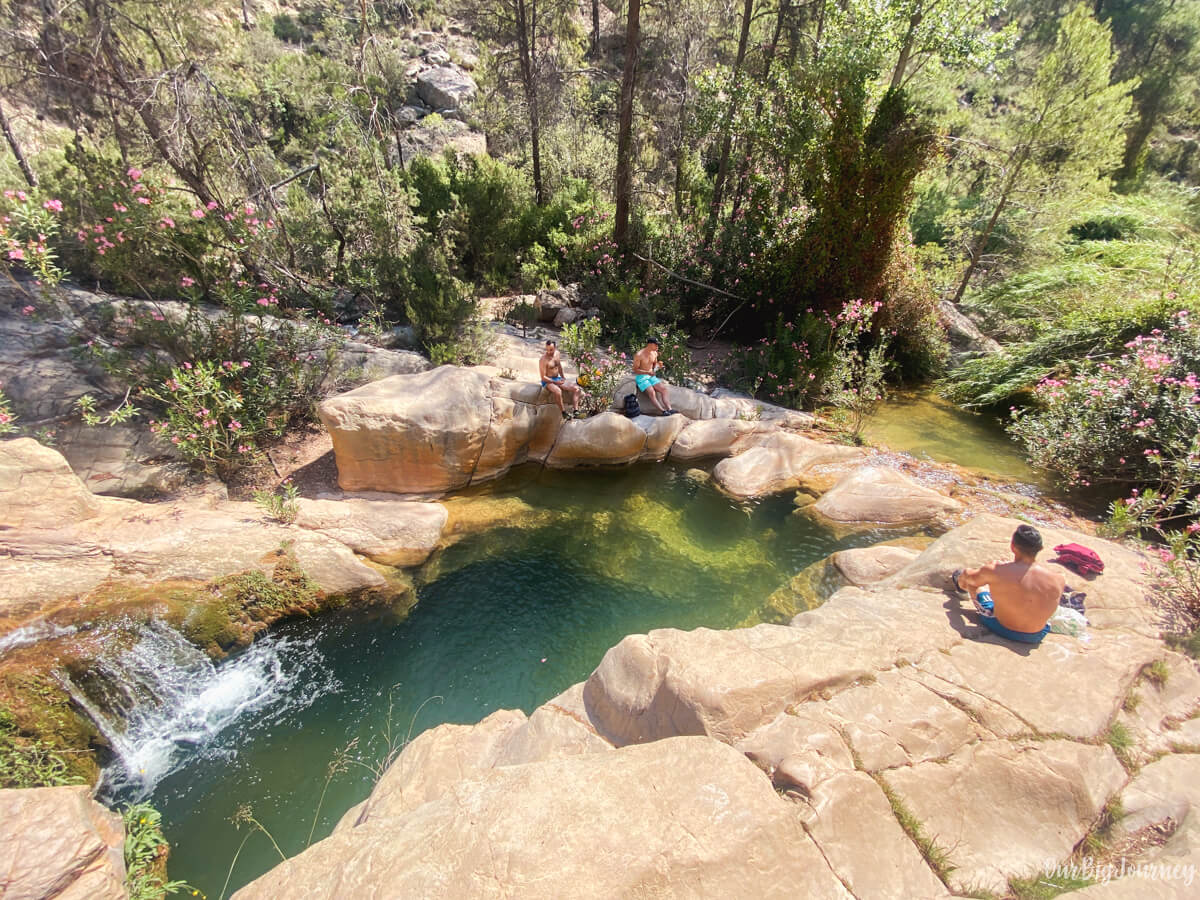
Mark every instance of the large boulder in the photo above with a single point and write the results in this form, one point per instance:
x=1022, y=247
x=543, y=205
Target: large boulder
x=524, y=426
x=391, y=532
x=966, y=340
x=717, y=437
x=777, y=464
x=877, y=495
x=410, y=433
x=607, y=439
x=60, y=843
x=443, y=87
x=728, y=683
x=686, y=817
x=38, y=488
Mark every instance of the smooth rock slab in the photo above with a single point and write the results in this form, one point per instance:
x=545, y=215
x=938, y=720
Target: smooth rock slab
x=897, y=722
x=1113, y=599
x=716, y=437
x=867, y=565
x=876, y=495
x=391, y=532
x=1002, y=809
x=729, y=683
x=58, y=842
x=682, y=817
x=1061, y=686
x=1169, y=787
x=859, y=836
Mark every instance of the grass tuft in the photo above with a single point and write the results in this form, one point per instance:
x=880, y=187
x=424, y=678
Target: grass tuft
x=935, y=855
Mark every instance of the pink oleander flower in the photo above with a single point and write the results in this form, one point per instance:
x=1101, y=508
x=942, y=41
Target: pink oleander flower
x=16, y=253
x=27, y=310
x=133, y=173
x=185, y=281
x=197, y=214
x=234, y=425
x=53, y=205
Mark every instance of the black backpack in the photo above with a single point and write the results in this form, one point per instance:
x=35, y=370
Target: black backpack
x=632, y=409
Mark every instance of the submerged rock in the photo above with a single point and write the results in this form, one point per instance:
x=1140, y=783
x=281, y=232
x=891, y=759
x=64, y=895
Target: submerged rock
x=876, y=495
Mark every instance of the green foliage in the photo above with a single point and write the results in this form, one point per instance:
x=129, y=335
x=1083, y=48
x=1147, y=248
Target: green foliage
x=1131, y=421
x=521, y=314
x=1121, y=740
x=7, y=417
x=1046, y=885
x=579, y=340
x=855, y=380
x=470, y=346
x=146, y=852
x=27, y=762
x=29, y=227
x=675, y=356
x=283, y=508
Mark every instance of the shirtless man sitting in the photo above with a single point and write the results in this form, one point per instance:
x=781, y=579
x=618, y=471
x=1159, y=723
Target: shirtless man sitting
x=551, y=370
x=1015, y=598
x=645, y=364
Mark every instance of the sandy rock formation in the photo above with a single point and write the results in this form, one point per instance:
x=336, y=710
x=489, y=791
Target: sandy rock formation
x=38, y=488
x=777, y=464
x=608, y=438
x=717, y=437
x=410, y=433
x=62, y=541
x=623, y=823
x=391, y=532
x=876, y=495
x=60, y=843
x=867, y=565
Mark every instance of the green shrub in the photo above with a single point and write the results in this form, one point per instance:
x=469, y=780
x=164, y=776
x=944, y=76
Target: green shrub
x=146, y=850
x=1133, y=421
x=27, y=762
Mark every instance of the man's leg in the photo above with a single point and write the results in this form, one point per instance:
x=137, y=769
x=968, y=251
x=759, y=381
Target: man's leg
x=573, y=392
x=556, y=393
x=652, y=393
x=661, y=390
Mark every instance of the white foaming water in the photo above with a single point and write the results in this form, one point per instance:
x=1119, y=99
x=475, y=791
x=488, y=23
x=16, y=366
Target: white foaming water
x=32, y=633
x=161, y=701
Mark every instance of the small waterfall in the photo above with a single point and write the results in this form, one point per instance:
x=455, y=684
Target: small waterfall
x=160, y=700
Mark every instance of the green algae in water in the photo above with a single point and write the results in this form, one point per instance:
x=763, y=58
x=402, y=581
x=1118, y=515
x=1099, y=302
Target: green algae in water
x=506, y=618
x=926, y=425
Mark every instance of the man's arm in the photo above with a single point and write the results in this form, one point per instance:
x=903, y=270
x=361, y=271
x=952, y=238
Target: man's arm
x=972, y=580
x=542, y=367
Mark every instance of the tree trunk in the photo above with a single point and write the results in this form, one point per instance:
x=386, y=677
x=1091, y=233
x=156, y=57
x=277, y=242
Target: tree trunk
x=624, y=175
x=594, y=53
x=768, y=59
x=906, y=50
x=22, y=162
x=527, y=47
x=981, y=243
x=727, y=138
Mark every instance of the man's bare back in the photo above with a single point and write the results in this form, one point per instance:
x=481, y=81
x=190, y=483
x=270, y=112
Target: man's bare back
x=1026, y=594
x=1021, y=594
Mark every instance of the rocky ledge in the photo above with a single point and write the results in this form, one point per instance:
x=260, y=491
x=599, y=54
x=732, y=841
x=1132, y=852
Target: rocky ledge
x=883, y=745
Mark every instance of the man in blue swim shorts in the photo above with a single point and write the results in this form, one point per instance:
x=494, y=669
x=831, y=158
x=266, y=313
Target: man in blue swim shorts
x=551, y=370
x=645, y=364
x=1015, y=599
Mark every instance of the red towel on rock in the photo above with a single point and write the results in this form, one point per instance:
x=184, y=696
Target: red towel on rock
x=1079, y=559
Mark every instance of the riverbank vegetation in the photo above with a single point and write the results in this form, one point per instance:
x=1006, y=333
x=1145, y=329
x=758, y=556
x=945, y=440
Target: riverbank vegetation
x=758, y=172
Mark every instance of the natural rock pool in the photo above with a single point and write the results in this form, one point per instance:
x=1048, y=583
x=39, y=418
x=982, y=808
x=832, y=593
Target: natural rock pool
x=553, y=569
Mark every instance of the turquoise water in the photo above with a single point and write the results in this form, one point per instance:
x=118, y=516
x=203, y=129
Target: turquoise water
x=506, y=618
